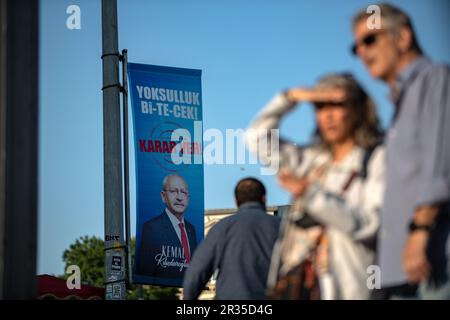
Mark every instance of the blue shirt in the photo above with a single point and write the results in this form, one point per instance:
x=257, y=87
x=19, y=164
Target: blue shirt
x=240, y=247
x=418, y=162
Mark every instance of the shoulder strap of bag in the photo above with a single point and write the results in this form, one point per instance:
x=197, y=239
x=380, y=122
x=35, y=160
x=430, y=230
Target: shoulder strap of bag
x=363, y=173
x=367, y=155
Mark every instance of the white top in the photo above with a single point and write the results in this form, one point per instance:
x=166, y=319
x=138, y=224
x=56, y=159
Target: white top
x=352, y=220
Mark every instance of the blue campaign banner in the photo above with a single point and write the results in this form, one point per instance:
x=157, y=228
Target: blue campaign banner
x=167, y=120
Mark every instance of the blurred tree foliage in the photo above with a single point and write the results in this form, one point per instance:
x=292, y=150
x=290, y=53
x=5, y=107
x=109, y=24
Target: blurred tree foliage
x=88, y=254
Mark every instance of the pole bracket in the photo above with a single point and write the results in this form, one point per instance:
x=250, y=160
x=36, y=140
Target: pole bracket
x=116, y=248
x=115, y=281
x=110, y=54
x=118, y=85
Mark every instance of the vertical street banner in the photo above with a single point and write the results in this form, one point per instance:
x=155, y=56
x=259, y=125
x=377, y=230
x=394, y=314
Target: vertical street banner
x=167, y=120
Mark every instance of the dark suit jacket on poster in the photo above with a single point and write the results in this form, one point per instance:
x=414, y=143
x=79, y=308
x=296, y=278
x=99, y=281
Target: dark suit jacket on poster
x=160, y=252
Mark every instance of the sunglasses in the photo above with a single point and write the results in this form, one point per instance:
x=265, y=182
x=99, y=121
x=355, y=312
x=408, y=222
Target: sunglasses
x=368, y=40
x=320, y=105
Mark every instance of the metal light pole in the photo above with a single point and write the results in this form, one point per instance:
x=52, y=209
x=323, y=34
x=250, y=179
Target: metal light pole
x=115, y=275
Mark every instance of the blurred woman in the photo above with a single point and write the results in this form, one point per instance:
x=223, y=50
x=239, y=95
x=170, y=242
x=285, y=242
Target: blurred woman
x=336, y=181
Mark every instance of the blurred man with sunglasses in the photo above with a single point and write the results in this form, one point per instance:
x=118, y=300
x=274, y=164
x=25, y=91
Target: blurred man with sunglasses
x=413, y=249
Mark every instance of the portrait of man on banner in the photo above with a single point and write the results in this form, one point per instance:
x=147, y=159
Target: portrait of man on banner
x=169, y=239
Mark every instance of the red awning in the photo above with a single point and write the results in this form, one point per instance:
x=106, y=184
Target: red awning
x=51, y=287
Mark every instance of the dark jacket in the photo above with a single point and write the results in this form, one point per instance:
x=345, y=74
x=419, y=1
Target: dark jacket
x=239, y=246
x=159, y=244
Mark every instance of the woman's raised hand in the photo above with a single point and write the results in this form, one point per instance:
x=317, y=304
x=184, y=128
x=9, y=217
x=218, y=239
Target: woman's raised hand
x=331, y=95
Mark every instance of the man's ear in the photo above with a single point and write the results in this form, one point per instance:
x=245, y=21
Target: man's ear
x=263, y=198
x=405, y=39
x=163, y=199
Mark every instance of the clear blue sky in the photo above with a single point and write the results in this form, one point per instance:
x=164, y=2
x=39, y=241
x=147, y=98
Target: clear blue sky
x=247, y=53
